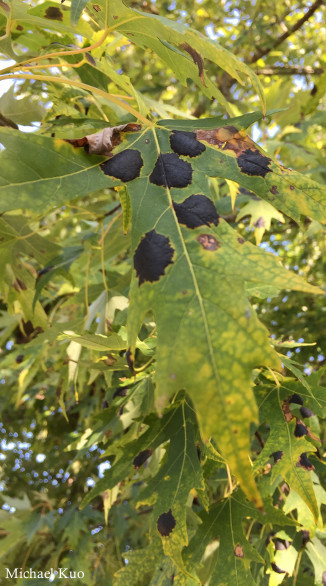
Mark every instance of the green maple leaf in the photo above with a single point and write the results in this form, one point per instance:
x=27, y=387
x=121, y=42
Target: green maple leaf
x=290, y=459
x=262, y=213
x=190, y=268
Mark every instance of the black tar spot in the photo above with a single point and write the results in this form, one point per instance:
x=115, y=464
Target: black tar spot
x=125, y=165
x=166, y=523
x=254, y=163
x=296, y=399
x=141, y=458
x=277, y=569
x=277, y=456
x=300, y=430
x=306, y=412
x=153, y=255
x=281, y=544
x=186, y=143
x=304, y=462
x=195, y=211
x=53, y=13
x=120, y=392
x=19, y=358
x=305, y=537
x=130, y=360
x=273, y=189
x=171, y=171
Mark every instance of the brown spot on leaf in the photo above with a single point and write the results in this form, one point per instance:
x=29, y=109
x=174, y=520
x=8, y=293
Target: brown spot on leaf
x=19, y=27
x=186, y=143
x=196, y=210
x=197, y=59
x=241, y=240
x=238, y=551
x=4, y=6
x=153, y=254
x=235, y=431
x=19, y=358
x=273, y=189
x=103, y=142
x=227, y=137
x=292, y=187
x=166, y=523
x=208, y=241
x=115, y=17
x=53, y=13
x=19, y=285
x=171, y=171
x=141, y=458
x=97, y=8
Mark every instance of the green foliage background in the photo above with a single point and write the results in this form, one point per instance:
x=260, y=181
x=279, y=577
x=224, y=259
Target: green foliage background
x=202, y=462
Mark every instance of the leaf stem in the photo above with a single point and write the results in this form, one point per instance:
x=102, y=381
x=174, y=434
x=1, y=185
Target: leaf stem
x=84, y=86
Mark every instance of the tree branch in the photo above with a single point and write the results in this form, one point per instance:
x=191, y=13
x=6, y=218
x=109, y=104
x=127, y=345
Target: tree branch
x=262, y=52
x=290, y=70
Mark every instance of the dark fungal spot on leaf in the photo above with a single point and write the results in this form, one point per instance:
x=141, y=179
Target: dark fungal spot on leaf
x=153, y=254
x=281, y=544
x=120, y=392
x=273, y=189
x=300, y=430
x=295, y=398
x=186, y=143
x=19, y=358
x=292, y=187
x=90, y=59
x=171, y=171
x=276, y=456
x=208, y=241
x=125, y=166
x=241, y=240
x=19, y=285
x=141, y=458
x=196, y=210
x=97, y=8
x=53, y=13
x=306, y=412
x=260, y=223
x=277, y=569
x=166, y=523
x=254, y=163
x=238, y=551
x=197, y=59
x=304, y=462
x=130, y=360
x=305, y=537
